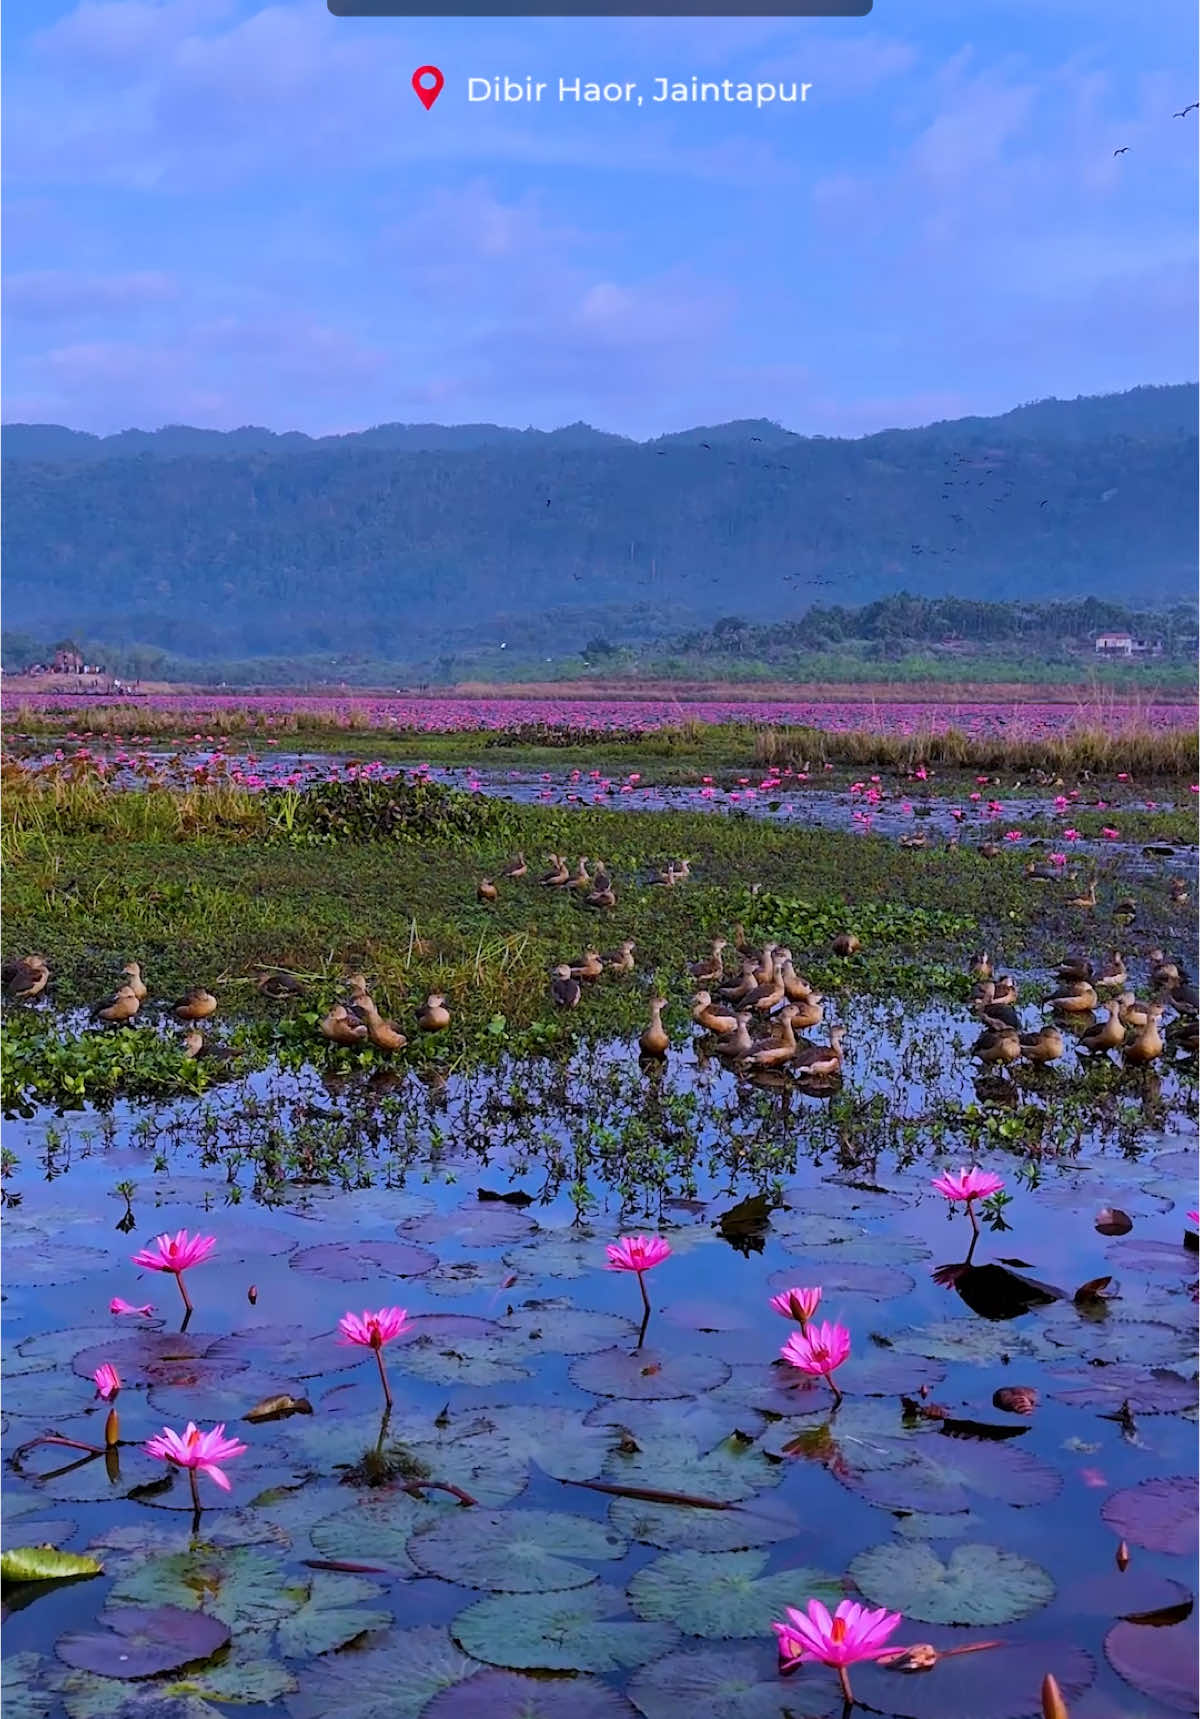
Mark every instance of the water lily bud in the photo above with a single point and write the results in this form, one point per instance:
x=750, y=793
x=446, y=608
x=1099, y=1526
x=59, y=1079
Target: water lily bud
x=1123, y=1555
x=1053, y=1705
x=252, y=1294
x=112, y=1429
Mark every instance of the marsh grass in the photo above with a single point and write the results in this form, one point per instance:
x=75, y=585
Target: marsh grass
x=1096, y=748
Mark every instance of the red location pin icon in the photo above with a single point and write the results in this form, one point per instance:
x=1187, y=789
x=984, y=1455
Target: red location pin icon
x=428, y=83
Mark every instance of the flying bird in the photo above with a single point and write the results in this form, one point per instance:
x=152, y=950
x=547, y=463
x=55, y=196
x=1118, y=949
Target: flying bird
x=1124, y=151
x=1184, y=111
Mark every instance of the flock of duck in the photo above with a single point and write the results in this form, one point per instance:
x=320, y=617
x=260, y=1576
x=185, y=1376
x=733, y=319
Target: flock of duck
x=1094, y=1003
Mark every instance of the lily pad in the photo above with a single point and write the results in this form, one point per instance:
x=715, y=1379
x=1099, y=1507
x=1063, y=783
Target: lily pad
x=969, y=1340
x=489, y=1223
x=22, y=1695
x=733, y=1470
x=1160, y=1514
x=395, y=1678
x=143, y=1641
x=354, y=1262
x=289, y=1351
x=1155, y=1258
x=564, y=1253
x=510, y=1695
x=799, y=1230
x=777, y=1389
x=869, y=1250
x=941, y=1474
x=1001, y=1682
x=1158, y=1663
x=44, y=1564
x=243, y=1675
x=738, y=1682
x=238, y=1585
x=558, y=1327
x=1147, y=1390
x=462, y=1277
x=331, y=1615
x=515, y=1551
x=37, y=1267
x=846, y=1277
x=681, y=1527
x=976, y=1585
x=647, y=1373
x=374, y=1528
x=159, y=1358
x=715, y=1594
x=579, y=1631
x=463, y=1360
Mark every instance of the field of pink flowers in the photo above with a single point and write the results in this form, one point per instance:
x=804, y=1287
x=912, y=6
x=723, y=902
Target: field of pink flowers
x=433, y=715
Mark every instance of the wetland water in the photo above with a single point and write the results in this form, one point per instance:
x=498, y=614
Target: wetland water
x=520, y=1377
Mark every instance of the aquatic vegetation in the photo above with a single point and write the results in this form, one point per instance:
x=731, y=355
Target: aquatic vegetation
x=372, y=1331
x=968, y=1186
x=197, y=1452
x=176, y=1254
x=797, y=1304
x=852, y=1634
x=819, y=1350
x=108, y=1381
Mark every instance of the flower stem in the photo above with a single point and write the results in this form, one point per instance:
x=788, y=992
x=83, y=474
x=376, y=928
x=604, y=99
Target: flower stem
x=195, y=1501
x=971, y=1215
x=387, y=1390
x=844, y=1680
x=183, y=1291
x=837, y=1395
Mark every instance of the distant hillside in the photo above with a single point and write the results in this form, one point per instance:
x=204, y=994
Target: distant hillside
x=250, y=543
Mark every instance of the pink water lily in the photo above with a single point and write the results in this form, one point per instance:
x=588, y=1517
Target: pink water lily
x=108, y=1381
x=372, y=1331
x=818, y=1350
x=639, y=1254
x=1194, y=1217
x=968, y=1185
x=196, y=1450
x=797, y=1304
x=852, y=1634
x=176, y=1254
x=117, y=1305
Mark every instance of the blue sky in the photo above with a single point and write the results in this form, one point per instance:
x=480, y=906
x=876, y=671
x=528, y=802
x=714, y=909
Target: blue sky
x=221, y=212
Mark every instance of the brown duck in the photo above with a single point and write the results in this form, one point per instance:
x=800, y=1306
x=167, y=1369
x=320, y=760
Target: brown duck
x=340, y=1027
x=738, y=1043
x=122, y=1006
x=997, y=1045
x=589, y=968
x=846, y=943
x=434, y=1016
x=485, y=890
x=516, y=867
x=1044, y=1045
x=25, y=979
x=711, y=969
x=134, y=981
x=278, y=986
x=582, y=881
x=565, y=988
x=195, y=1005
x=781, y=1051
x=714, y=1020
x=620, y=960
x=1111, y=975
x=384, y=1035
x=1078, y=998
x=1147, y=1045
x=558, y=876
x=1107, y=1034
x=820, y=1062
x=654, y=1040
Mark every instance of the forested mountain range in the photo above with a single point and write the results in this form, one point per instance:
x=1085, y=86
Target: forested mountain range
x=249, y=543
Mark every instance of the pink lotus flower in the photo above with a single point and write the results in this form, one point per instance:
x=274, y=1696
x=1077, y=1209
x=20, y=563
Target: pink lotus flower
x=852, y=1634
x=1013, y=836
x=1110, y=835
x=818, y=1350
x=108, y=1380
x=117, y=1305
x=372, y=1331
x=1194, y=1217
x=640, y=1254
x=1070, y=835
x=637, y=1253
x=797, y=1304
x=176, y=1254
x=1058, y=859
x=969, y=1185
x=193, y=1449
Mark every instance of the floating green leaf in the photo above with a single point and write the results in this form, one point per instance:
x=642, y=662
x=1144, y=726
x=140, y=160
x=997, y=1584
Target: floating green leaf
x=976, y=1585
x=331, y=1615
x=44, y=1564
x=1147, y=1390
x=647, y=1373
x=941, y=1474
x=556, y=1326
x=244, y=1588
x=739, y=1682
x=394, y=1678
x=511, y=1695
x=723, y=1593
x=515, y=1551
x=22, y=1695
x=578, y=1631
x=734, y=1469
x=463, y=1360
x=354, y=1262
x=680, y=1527
x=373, y=1528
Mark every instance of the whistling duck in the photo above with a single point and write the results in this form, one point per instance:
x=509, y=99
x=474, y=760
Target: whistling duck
x=1133, y=1013
x=1107, y=1034
x=1041, y=873
x=654, y=1040
x=714, y=1020
x=809, y=1012
x=1112, y=975
x=765, y=996
x=711, y=968
x=997, y=1045
x=134, y=981
x=1087, y=899
x=603, y=898
x=516, y=867
x=1074, y=967
x=735, y=990
x=990, y=850
x=780, y=1052
x=1004, y=990
x=1178, y=890
x=564, y=987
x=590, y=967
x=27, y=978
x=485, y=890
x=1078, y=998
x=620, y=960
x=738, y=1043
x=1147, y=1045
x=845, y=943
x=434, y=1016
x=558, y=876
x=820, y=1062
x=122, y=1006
x=981, y=965
x=1184, y=1035
x=743, y=948
x=357, y=986
x=796, y=988
x=195, y=1005
x=1184, y=997
x=193, y=1044
x=917, y=840
x=278, y=986
x=340, y=1027
x=998, y=1015
x=582, y=880
x=1162, y=971
x=1044, y=1045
